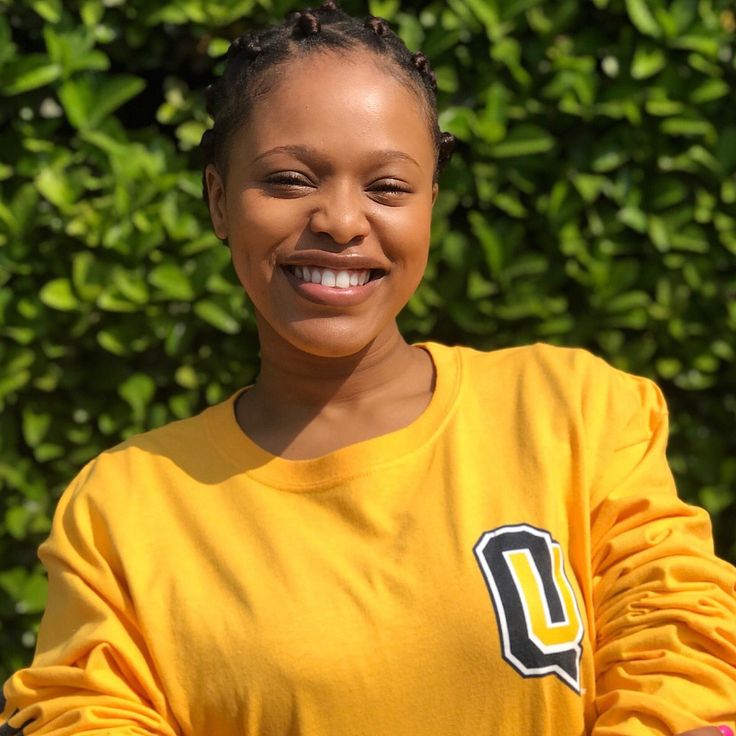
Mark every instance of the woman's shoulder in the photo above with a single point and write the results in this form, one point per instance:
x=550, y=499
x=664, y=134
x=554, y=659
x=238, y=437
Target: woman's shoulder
x=538, y=355
x=173, y=438
x=569, y=377
x=168, y=455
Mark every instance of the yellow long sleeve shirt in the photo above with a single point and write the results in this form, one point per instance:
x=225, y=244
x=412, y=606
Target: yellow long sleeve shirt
x=514, y=561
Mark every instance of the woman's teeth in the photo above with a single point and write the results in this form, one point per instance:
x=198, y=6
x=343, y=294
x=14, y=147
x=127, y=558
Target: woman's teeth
x=328, y=277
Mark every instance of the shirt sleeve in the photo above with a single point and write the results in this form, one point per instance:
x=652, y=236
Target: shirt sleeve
x=664, y=604
x=92, y=671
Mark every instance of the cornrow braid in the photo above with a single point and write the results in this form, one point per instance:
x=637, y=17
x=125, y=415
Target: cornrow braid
x=421, y=62
x=377, y=25
x=446, y=149
x=307, y=23
x=247, y=45
x=253, y=58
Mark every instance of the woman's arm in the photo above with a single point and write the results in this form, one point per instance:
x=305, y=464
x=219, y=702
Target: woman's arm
x=92, y=670
x=665, y=610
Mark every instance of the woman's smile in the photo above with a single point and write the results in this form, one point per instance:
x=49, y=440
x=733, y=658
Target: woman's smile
x=326, y=286
x=336, y=279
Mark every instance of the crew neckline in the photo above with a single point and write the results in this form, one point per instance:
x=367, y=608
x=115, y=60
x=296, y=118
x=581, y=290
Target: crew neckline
x=346, y=462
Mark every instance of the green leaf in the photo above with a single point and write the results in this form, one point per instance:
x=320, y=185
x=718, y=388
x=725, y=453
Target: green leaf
x=72, y=50
x=687, y=127
x=190, y=134
x=88, y=101
x=667, y=192
x=131, y=285
x=709, y=90
x=641, y=16
x=29, y=72
x=33, y=594
x=88, y=275
x=716, y=498
x=35, y=426
x=58, y=294
x=589, y=185
x=706, y=44
x=16, y=521
x=137, y=391
x=647, y=61
x=460, y=121
x=608, y=157
x=7, y=48
x=490, y=241
x=186, y=377
x=55, y=186
x=171, y=281
x=692, y=238
x=658, y=233
x=634, y=218
x=661, y=106
x=627, y=302
x=111, y=342
x=49, y=10
x=115, y=92
x=92, y=12
x=112, y=301
x=486, y=11
x=384, y=8
x=215, y=315
x=524, y=140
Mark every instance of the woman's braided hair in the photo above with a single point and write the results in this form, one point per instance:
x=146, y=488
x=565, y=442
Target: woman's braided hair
x=252, y=56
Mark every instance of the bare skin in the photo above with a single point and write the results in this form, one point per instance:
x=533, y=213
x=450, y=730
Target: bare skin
x=347, y=406
x=331, y=375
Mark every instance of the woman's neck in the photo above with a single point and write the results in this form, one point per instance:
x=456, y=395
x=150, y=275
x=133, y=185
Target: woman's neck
x=304, y=405
x=298, y=377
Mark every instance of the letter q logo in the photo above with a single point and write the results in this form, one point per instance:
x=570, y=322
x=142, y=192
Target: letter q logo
x=538, y=617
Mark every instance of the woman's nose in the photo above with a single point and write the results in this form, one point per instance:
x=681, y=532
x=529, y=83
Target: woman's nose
x=340, y=214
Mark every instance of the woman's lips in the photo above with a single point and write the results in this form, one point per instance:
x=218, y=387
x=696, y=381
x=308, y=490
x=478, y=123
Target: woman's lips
x=331, y=295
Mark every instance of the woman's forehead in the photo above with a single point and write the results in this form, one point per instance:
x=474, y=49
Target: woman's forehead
x=347, y=72
x=335, y=101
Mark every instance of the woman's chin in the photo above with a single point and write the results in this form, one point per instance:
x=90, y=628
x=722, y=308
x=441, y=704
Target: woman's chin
x=323, y=338
x=331, y=343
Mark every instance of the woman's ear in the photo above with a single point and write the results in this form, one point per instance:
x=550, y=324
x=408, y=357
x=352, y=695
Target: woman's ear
x=216, y=200
x=435, y=192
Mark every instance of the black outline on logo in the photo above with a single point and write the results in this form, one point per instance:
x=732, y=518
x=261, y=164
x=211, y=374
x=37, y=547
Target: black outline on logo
x=517, y=647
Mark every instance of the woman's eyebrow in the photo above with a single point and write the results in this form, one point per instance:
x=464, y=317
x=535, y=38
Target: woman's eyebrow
x=298, y=151
x=382, y=157
x=309, y=153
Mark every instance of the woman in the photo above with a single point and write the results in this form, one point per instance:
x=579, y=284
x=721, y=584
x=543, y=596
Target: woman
x=375, y=537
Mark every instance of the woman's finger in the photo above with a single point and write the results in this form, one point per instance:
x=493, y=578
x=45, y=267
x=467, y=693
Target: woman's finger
x=708, y=731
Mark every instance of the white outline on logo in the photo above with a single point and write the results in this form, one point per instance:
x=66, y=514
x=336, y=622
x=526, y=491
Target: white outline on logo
x=502, y=615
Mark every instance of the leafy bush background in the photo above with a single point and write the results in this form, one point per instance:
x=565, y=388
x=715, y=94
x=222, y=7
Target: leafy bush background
x=592, y=202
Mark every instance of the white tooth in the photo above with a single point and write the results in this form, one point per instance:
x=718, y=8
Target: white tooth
x=328, y=277
x=364, y=276
x=354, y=278
x=305, y=271
x=342, y=280
x=298, y=271
x=316, y=276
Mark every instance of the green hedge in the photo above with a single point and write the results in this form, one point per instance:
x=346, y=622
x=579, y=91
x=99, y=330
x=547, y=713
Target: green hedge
x=592, y=202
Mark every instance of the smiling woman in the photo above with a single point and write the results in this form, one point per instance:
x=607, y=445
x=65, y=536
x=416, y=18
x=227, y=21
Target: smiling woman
x=375, y=537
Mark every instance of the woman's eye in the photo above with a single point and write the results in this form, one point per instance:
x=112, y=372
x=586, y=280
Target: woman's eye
x=389, y=187
x=288, y=179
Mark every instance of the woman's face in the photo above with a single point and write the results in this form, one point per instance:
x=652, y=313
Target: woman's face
x=327, y=202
